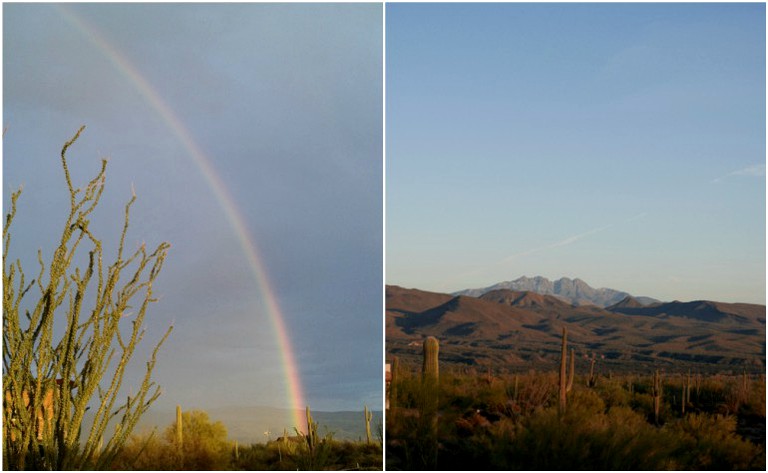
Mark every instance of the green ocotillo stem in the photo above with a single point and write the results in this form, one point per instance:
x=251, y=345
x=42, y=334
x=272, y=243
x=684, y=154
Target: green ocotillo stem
x=430, y=368
x=563, y=361
x=368, y=416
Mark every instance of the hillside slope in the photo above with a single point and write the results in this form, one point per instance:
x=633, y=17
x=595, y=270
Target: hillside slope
x=516, y=329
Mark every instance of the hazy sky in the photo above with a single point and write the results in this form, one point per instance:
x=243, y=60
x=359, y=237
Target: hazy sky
x=285, y=101
x=620, y=143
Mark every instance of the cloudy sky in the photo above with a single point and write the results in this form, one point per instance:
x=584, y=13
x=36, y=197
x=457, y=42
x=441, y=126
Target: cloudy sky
x=620, y=143
x=284, y=103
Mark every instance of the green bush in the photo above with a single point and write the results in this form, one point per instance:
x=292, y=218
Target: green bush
x=709, y=442
x=205, y=445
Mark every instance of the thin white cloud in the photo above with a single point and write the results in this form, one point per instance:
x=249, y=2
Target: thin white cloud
x=563, y=242
x=578, y=237
x=636, y=217
x=755, y=170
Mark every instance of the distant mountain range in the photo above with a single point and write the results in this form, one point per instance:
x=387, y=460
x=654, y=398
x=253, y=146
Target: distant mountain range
x=521, y=329
x=574, y=291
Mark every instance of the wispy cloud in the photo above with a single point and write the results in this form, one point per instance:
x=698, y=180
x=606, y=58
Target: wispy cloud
x=755, y=170
x=564, y=242
x=636, y=217
x=575, y=238
x=462, y=278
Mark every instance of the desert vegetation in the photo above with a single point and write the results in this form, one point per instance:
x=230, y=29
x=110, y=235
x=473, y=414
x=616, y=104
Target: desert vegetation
x=490, y=418
x=194, y=442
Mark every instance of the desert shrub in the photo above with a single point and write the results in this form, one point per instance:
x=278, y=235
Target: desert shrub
x=587, y=437
x=755, y=402
x=630, y=443
x=258, y=457
x=357, y=456
x=709, y=442
x=643, y=403
x=614, y=393
x=205, y=445
x=145, y=452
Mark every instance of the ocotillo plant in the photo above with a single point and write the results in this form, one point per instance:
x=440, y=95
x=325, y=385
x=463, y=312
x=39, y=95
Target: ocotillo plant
x=79, y=353
x=368, y=417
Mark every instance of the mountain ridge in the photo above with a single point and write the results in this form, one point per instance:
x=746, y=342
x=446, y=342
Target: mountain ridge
x=575, y=291
x=521, y=330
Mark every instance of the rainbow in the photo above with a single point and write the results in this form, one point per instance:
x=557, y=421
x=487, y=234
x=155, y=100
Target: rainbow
x=223, y=196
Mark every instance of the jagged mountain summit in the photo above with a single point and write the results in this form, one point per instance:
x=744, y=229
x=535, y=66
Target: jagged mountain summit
x=574, y=291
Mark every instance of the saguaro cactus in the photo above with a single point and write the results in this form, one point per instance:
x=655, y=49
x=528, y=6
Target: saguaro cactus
x=656, y=392
x=430, y=370
x=179, y=428
x=682, y=398
x=179, y=437
x=571, y=372
x=393, y=381
x=563, y=372
x=368, y=416
x=311, y=437
x=516, y=393
x=592, y=381
x=744, y=386
x=430, y=383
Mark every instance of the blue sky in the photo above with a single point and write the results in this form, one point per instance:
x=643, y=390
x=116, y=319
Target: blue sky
x=620, y=143
x=286, y=102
